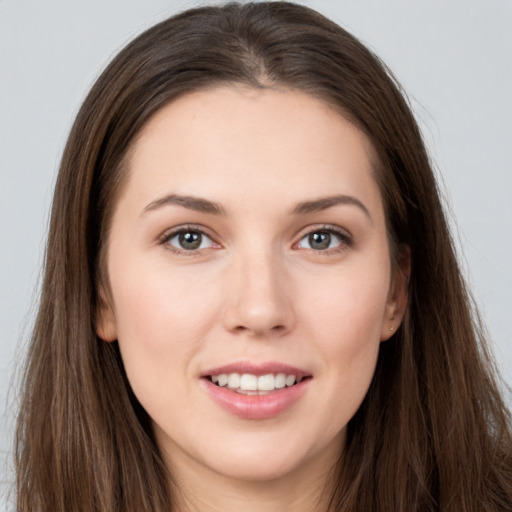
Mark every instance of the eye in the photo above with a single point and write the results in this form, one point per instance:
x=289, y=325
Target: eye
x=188, y=240
x=324, y=240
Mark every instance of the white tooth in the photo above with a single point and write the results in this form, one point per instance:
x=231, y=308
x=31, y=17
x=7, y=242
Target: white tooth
x=249, y=393
x=233, y=380
x=299, y=379
x=266, y=382
x=280, y=381
x=248, y=382
x=215, y=378
x=223, y=379
x=290, y=380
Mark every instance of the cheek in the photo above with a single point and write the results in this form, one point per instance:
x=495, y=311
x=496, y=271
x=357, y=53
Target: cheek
x=350, y=340
x=159, y=303
x=162, y=319
x=345, y=322
x=349, y=306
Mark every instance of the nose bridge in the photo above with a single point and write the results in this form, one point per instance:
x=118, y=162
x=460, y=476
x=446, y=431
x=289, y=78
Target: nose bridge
x=259, y=302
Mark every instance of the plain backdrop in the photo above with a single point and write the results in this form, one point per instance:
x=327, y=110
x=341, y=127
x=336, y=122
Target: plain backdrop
x=453, y=58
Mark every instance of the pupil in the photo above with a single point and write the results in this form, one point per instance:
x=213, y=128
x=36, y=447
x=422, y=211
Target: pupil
x=190, y=240
x=320, y=240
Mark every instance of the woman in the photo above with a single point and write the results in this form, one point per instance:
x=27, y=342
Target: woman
x=251, y=298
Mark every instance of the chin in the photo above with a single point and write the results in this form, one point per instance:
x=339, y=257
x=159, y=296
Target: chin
x=264, y=460
x=251, y=469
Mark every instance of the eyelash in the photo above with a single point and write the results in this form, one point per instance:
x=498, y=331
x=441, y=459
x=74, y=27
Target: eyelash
x=345, y=239
x=168, y=236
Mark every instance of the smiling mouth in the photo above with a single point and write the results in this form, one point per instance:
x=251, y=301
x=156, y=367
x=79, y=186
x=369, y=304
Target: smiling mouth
x=250, y=384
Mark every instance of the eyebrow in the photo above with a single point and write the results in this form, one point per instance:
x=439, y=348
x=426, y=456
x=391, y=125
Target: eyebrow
x=324, y=203
x=206, y=206
x=192, y=203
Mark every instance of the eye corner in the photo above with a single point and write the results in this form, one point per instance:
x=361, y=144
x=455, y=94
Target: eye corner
x=188, y=240
x=324, y=239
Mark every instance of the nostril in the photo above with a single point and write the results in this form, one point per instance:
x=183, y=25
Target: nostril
x=276, y=329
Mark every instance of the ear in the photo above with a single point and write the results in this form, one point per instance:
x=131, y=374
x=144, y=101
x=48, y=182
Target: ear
x=106, y=327
x=398, y=292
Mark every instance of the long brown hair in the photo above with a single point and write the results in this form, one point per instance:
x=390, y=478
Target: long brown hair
x=432, y=434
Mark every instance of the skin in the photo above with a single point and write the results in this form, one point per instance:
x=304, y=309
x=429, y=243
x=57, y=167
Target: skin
x=256, y=289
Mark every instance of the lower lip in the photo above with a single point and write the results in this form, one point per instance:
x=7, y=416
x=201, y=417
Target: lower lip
x=256, y=407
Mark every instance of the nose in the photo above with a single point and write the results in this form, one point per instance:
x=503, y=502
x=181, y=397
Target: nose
x=259, y=300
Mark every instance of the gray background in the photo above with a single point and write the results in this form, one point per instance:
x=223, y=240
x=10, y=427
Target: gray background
x=454, y=59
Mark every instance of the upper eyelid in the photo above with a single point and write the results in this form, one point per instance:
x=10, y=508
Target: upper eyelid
x=172, y=232
x=169, y=233
x=346, y=240
x=338, y=230
x=166, y=237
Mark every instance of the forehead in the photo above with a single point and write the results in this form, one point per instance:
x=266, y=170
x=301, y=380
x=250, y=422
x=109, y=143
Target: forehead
x=275, y=143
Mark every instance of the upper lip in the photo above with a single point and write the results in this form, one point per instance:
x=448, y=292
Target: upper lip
x=253, y=368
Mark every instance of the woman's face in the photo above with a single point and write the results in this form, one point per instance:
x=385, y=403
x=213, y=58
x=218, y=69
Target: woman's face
x=249, y=245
